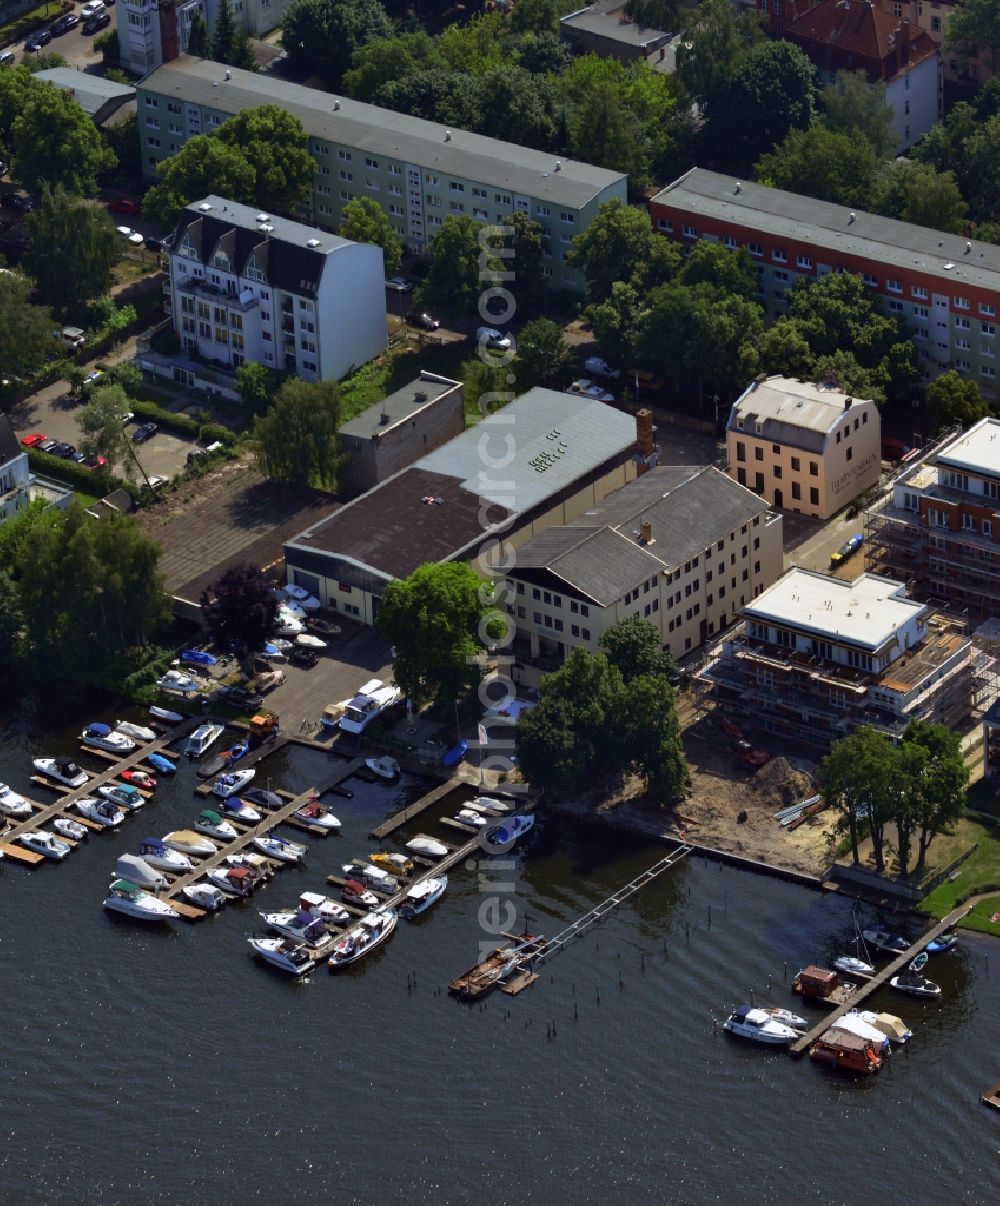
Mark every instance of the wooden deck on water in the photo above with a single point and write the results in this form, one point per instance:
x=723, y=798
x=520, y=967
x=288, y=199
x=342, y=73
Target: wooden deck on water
x=878, y=980
x=265, y=750
x=418, y=806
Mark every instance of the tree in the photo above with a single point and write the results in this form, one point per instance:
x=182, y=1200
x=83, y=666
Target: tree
x=604, y=132
x=296, y=441
x=614, y=247
x=54, y=142
x=536, y=16
x=783, y=349
x=715, y=40
x=729, y=272
x=543, y=357
x=855, y=107
x=203, y=167
x=655, y=14
x=229, y=42
x=979, y=167
x=321, y=36
x=25, y=329
x=199, y=43
x=123, y=139
x=935, y=797
x=257, y=386
x=72, y=250
x=615, y=324
x=525, y=243
x=240, y=610
x=771, y=92
x=836, y=313
x=822, y=163
x=453, y=284
x=918, y=193
x=274, y=144
x=432, y=619
x=951, y=399
x=634, y=646
x=11, y=619
x=102, y=422
x=365, y=221
x=382, y=61
x=653, y=742
x=973, y=24
x=860, y=777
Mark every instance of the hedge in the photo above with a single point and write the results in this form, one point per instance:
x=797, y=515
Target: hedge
x=208, y=433
x=150, y=412
x=89, y=481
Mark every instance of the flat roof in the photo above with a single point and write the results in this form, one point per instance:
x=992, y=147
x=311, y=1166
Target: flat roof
x=794, y=403
x=612, y=24
x=401, y=405
x=283, y=230
x=977, y=449
x=384, y=132
x=92, y=92
x=787, y=215
x=868, y=611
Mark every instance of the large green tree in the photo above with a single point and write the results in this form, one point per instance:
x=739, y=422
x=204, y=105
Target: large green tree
x=526, y=242
x=55, y=142
x=229, y=41
x=856, y=107
x=203, y=167
x=382, y=61
x=365, y=221
x=615, y=324
x=72, y=251
x=716, y=38
x=240, y=610
x=453, y=282
x=25, y=329
x=102, y=422
x=952, y=398
x=614, y=247
x=433, y=621
x=199, y=43
x=11, y=619
x=973, y=25
x=536, y=16
x=860, y=777
x=636, y=647
x=654, y=748
x=321, y=36
x=918, y=193
x=935, y=789
x=822, y=163
x=543, y=356
x=296, y=440
x=257, y=386
x=604, y=132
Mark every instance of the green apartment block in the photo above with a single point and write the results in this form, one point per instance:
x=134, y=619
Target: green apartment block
x=419, y=171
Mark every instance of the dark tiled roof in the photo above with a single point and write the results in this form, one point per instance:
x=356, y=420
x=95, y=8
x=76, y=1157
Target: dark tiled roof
x=841, y=32
x=9, y=447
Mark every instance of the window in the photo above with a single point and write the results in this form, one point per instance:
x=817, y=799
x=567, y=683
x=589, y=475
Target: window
x=921, y=312
x=895, y=307
x=568, y=218
x=803, y=261
x=961, y=303
x=780, y=275
x=796, y=491
x=813, y=469
x=779, y=256
x=963, y=324
x=968, y=523
x=870, y=280
x=346, y=176
x=894, y=286
x=919, y=291
x=987, y=370
x=456, y=186
x=741, y=450
x=758, y=453
x=479, y=192
x=502, y=198
x=988, y=329
x=755, y=249
x=585, y=633
x=575, y=629
x=986, y=308
x=665, y=226
x=987, y=527
x=850, y=454
x=730, y=242
x=758, y=485
x=395, y=171
x=813, y=496
x=690, y=232
x=372, y=163
x=777, y=471
x=345, y=155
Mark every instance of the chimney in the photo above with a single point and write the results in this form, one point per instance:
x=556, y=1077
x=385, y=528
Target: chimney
x=384, y=419
x=645, y=532
x=848, y=403
x=644, y=432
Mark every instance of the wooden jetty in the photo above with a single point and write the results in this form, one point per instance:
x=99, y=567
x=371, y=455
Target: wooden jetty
x=264, y=750
x=399, y=819
x=20, y=854
x=883, y=977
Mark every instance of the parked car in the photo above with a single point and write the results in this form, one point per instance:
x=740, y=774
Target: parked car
x=600, y=368
x=92, y=24
x=399, y=284
x=7, y=58
x=77, y=457
x=95, y=462
x=92, y=8
x=154, y=244
x=306, y=658
x=144, y=432
x=38, y=40
x=493, y=338
x=419, y=319
x=64, y=24
x=4, y=167
x=17, y=201
x=127, y=417
x=63, y=449
x=34, y=439
x=133, y=236
x=124, y=205
x=240, y=697
x=156, y=481
x=92, y=376
x=588, y=389
x=46, y=445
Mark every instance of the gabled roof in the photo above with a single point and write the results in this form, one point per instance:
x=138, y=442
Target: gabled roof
x=858, y=31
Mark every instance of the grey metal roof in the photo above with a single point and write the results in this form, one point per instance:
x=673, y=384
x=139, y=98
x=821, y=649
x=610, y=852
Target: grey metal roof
x=413, y=396
x=232, y=214
x=689, y=507
x=612, y=25
x=92, y=92
x=782, y=214
x=385, y=132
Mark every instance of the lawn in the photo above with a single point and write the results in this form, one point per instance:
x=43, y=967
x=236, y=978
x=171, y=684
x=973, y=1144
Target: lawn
x=980, y=872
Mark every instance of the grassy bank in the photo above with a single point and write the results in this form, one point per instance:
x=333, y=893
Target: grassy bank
x=979, y=873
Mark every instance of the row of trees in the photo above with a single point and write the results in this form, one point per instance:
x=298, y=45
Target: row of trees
x=915, y=788
x=229, y=43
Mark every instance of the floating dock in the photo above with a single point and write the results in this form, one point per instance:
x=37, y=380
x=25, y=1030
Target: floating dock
x=878, y=980
x=399, y=819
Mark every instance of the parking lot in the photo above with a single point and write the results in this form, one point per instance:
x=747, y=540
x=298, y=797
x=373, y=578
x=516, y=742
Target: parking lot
x=75, y=46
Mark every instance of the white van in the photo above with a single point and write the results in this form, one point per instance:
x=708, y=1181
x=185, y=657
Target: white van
x=72, y=338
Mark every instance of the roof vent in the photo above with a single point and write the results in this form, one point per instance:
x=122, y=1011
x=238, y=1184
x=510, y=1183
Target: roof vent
x=336, y=105
x=853, y=217
x=204, y=207
x=383, y=419
x=558, y=167
x=447, y=135
x=948, y=267
x=312, y=243
x=968, y=246
x=229, y=75
x=262, y=217
x=738, y=189
x=420, y=395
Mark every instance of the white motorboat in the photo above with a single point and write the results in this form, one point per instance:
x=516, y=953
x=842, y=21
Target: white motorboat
x=470, y=818
x=422, y=895
x=231, y=783
x=71, y=829
x=371, y=930
x=915, y=984
x=315, y=813
x=373, y=877
x=853, y=1023
x=893, y=1027
x=165, y=714
x=123, y=794
x=297, y=924
x=384, y=768
x=101, y=812
x=204, y=896
x=234, y=881
x=136, y=870
x=157, y=853
x=235, y=809
x=212, y=825
x=128, y=898
x=309, y=641
x=12, y=804
x=287, y=956
x=189, y=842
x=355, y=893
x=178, y=683
x=372, y=699
x=200, y=740
x=104, y=737
x=787, y=1018
x=323, y=907
x=427, y=846
x=280, y=848
x=301, y=597
x=287, y=625
x=43, y=842
x=853, y=966
x=507, y=832
x=757, y=1024
x=61, y=770
x=138, y=732
x=488, y=805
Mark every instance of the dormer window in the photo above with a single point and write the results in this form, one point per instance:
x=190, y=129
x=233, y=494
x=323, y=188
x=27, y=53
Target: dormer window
x=187, y=248
x=220, y=260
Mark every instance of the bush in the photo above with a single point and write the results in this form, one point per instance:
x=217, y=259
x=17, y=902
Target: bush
x=208, y=433
x=150, y=412
x=79, y=477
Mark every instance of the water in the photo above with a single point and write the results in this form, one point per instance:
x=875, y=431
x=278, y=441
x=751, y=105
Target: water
x=167, y=1066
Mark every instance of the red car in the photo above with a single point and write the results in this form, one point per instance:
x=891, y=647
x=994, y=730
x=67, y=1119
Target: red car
x=122, y=205
x=96, y=462
x=36, y=437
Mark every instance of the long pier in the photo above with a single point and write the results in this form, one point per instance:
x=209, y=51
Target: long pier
x=397, y=820
x=878, y=980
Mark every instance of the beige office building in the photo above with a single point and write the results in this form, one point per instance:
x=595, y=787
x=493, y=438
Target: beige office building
x=803, y=447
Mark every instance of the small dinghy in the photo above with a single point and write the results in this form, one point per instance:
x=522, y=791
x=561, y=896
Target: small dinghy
x=280, y=848
x=129, y=899
x=165, y=714
x=212, y=825
x=101, y=812
x=204, y=896
x=945, y=942
x=139, y=778
x=315, y=813
x=284, y=954
x=427, y=846
x=45, y=843
x=68, y=828
x=157, y=853
x=138, y=732
x=262, y=799
x=852, y=966
x=421, y=896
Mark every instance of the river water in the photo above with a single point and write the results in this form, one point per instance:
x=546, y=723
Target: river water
x=143, y=1066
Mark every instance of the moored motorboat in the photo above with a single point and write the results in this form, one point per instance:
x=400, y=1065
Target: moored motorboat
x=422, y=895
x=389, y=860
x=178, y=684
x=944, y=942
x=104, y=737
x=883, y=940
x=138, y=732
x=101, y=812
x=385, y=767
x=189, y=842
x=158, y=854
x=280, y=848
x=202, y=737
x=68, y=828
x=915, y=984
x=786, y=1017
x=123, y=794
x=135, y=869
x=757, y=1024
x=893, y=1027
x=165, y=714
x=41, y=841
x=161, y=763
x=231, y=783
x=233, y=808
x=139, y=778
x=323, y=907
x=212, y=825
x=507, y=832
x=470, y=818
x=297, y=924
x=427, y=846
x=234, y=881
x=204, y=896
x=12, y=804
x=355, y=893
x=261, y=798
x=853, y=1023
x=371, y=930
x=129, y=899
x=61, y=770
x=853, y=966
x=372, y=877
x=489, y=806
x=315, y=813
x=847, y=1053
x=284, y=954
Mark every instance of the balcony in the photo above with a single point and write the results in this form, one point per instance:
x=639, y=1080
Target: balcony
x=243, y=302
